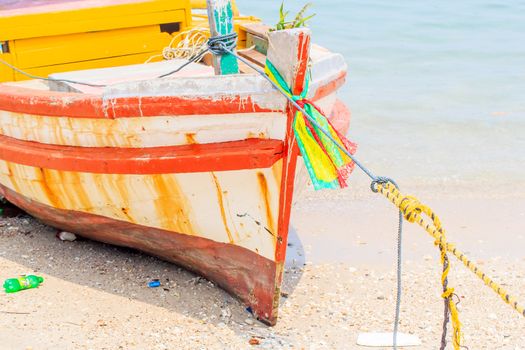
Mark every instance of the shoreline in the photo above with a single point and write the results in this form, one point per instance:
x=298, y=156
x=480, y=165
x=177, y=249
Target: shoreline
x=341, y=282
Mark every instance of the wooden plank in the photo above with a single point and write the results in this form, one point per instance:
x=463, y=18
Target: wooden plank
x=201, y=4
x=140, y=132
x=220, y=16
x=254, y=56
x=289, y=52
x=222, y=156
x=260, y=43
x=194, y=96
x=6, y=73
x=101, y=16
x=97, y=63
x=257, y=29
x=127, y=73
x=47, y=51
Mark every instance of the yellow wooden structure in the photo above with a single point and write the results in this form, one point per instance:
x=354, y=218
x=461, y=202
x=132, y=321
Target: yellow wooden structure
x=66, y=35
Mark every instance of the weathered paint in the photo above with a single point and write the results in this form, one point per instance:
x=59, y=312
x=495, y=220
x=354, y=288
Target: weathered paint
x=220, y=17
x=154, y=131
x=184, y=96
x=265, y=195
x=221, y=207
x=138, y=132
x=198, y=101
x=289, y=52
x=212, y=205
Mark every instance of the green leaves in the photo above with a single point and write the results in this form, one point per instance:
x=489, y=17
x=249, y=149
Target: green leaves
x=299, y=20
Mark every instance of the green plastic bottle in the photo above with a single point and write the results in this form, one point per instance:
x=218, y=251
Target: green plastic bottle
x=13, y=285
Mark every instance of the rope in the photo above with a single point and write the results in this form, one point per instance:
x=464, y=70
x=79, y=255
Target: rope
x=223, y=44
x=412, y=211
x=367, y=171
x=217, y=45
x=411, y=208
x=373, y=187
x=191, y=43
x=32, y=76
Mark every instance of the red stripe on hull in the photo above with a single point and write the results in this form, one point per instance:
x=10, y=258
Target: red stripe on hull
x=41, y=102
x=327, y=89
x=235, y=155
x=291, y=151
x=172, y=105
x=60, y=104
x=241, y=272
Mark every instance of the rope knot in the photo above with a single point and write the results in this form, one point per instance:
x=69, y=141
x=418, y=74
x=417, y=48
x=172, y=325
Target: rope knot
x=410, y=207
x=448, y=293
x=222, y=44
x=383, y=181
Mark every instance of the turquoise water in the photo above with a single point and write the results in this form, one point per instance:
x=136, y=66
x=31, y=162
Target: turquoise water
x=437, y=89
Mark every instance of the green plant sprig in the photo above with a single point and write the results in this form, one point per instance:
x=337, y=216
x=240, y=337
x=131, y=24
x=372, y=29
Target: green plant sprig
x=299, y=20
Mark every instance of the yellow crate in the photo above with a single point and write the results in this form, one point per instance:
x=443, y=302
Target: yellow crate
x=65, y=35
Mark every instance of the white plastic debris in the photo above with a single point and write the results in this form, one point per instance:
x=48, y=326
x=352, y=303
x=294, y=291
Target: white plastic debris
x=66, y=236
x=387, y=339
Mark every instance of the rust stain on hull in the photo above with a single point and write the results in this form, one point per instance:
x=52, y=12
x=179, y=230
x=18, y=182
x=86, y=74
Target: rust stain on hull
x=259, y=135
x=263, y=186
x=190, y=138
x=221, y=206
x=124, y=196
x=171, y=205
x=12, y=177
x=80, y=196
x=47, y=184
x=277, y=171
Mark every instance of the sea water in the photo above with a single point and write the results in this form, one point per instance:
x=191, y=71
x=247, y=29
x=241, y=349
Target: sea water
x=436, y=89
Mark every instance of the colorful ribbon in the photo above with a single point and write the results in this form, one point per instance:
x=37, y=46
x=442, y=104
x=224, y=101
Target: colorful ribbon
x=327, y=165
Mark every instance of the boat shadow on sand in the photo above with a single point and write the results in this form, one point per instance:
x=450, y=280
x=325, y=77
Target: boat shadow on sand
x=126, y=272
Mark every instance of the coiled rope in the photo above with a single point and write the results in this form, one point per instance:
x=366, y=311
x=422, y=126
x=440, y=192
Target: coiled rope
x=185, y=45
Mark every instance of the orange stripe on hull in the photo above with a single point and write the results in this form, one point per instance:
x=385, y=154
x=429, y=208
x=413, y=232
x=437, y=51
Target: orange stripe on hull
x=235, y=155
x=241, y=272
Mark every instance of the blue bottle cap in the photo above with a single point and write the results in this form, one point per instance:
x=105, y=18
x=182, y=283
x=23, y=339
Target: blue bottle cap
x=154, y=283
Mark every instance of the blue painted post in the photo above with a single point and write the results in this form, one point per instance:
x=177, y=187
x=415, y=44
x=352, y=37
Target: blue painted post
x=220, y=16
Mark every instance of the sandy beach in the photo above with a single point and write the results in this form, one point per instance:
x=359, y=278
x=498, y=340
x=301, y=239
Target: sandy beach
x=436, y=94
x=340, y=281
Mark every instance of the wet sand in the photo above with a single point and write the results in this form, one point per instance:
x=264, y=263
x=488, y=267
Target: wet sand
x=339, y=281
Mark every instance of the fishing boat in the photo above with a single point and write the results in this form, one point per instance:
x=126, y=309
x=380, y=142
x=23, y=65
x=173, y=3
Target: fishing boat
x=196, y=168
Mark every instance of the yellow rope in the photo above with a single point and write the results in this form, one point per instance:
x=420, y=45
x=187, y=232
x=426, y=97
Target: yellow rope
x=412, y=210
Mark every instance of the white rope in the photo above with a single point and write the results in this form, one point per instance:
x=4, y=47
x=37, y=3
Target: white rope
x=185, y=45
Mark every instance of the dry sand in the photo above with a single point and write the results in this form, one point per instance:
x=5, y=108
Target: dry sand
x=339, y=281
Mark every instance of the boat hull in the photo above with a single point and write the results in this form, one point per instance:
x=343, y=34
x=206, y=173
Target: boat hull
x=199, y=171
x=241, y=272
